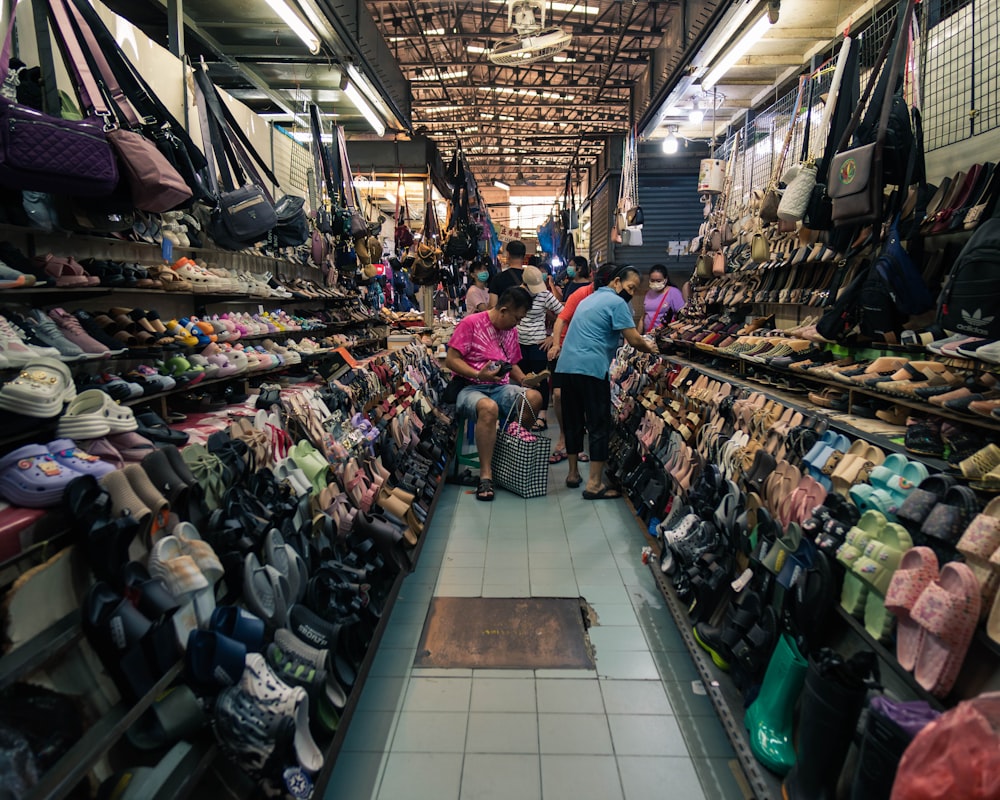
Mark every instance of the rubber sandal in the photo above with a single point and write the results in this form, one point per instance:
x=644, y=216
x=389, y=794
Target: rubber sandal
x=240, y=625
x=558, y=456
x=118, y=633
x=66, y=453
x=948, y=611
x=583, y=458
x=31, y=477
x=876, y=567
x=265, y=591
x=154, y=428
x=40, y=389
x=855, y=591
x=214, y=661
x=485, y=490
x=177, y=714
x=92, y=414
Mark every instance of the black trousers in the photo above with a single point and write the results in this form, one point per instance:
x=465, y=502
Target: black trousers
x=586, y=407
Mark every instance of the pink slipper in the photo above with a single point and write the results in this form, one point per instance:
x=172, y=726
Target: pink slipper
x=948, y=611
x=917, y=570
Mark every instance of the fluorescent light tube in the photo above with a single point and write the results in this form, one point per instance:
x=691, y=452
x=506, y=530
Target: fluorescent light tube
x=736, y=52
x=293, y=21
x=501, y=185
x=366, y=110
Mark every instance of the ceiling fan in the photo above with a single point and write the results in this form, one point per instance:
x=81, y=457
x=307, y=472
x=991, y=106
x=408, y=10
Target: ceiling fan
x=533, y=41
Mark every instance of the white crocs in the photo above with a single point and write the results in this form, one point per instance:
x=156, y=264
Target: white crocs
x=40, y=389
x=93, y=414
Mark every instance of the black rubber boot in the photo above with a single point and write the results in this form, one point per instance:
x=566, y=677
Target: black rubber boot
x=881, y=749
x=831, y=703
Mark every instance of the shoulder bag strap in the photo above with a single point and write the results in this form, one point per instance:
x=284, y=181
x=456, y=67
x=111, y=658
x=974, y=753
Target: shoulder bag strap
x=90, y=93
x=659, y=307
x=320, y=167
x=116, y=96
x=215, y=149
x=780, y=163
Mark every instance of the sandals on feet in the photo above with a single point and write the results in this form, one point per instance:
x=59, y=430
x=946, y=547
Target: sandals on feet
x=485, y=491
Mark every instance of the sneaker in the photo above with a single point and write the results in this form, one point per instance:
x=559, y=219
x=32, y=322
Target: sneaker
x=45, y=331
x=71, y=329
x=15, y=351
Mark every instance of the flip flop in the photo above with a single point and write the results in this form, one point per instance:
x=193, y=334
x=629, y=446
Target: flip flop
x=558, y=456
x=583, y=458
x=574, y=484
x=603, y=494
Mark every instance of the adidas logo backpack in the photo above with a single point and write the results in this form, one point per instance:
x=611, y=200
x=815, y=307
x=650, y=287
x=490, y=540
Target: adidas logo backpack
x=970, y=299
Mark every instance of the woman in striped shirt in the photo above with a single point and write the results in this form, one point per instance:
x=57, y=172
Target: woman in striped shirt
x=533, y=337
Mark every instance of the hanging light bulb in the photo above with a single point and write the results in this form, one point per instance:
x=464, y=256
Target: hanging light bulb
x=670, y=143
x=697, y=115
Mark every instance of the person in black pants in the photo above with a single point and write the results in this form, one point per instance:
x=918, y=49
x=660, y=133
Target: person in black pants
x=584, y=362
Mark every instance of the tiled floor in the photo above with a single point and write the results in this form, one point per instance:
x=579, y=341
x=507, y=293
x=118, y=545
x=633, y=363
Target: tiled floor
x=633, y=729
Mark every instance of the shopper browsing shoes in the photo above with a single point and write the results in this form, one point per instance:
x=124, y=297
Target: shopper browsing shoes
x=600, y=321
x=485, y=352
x=534, y=341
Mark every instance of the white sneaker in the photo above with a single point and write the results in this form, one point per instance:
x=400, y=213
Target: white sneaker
x=15, y=351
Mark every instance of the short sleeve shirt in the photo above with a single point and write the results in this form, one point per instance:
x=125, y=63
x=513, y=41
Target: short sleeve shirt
x=593, y=337
x=507, y=279
x=479, y=343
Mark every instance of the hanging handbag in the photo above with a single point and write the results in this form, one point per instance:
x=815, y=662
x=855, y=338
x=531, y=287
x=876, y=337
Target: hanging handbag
x=856, y=181
x=292, y=228
x=245, y=212
x=760, y=248
x=151, y=117
x=153, y=183
x=772, y=195
x=719, y=264
x=798, y=188
x=51, y=154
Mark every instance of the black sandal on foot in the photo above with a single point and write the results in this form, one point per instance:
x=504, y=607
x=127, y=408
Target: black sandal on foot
x=485, y=491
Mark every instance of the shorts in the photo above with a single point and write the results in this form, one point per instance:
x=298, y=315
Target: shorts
x=505, y=395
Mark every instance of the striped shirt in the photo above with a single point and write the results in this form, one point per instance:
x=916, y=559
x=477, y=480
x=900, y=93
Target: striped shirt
x=531, y=330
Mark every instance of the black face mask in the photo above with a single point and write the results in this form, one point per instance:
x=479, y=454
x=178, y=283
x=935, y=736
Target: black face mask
x=625, y=295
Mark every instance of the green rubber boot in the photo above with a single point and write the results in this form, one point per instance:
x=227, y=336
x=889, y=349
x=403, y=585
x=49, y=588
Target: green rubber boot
x=769, y=718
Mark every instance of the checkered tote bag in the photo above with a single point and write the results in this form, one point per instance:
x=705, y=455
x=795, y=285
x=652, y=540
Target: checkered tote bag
x=521, y=458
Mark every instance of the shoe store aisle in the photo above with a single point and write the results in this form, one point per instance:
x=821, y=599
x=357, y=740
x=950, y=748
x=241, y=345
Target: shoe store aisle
x=635, y=728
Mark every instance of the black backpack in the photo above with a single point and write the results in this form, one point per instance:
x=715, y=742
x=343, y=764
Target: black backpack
x=970, y=300
x=879, y=319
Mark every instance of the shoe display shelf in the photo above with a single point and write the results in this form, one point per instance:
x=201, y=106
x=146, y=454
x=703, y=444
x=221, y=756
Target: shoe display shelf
x=37, y=241
x=853, y=390
x=981, y=663
x=65, y=635
x=983, y=652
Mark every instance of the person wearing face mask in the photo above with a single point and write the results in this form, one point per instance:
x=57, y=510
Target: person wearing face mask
x=662, y=301
x=477, y=298
x=578, y=272
x=584, y=362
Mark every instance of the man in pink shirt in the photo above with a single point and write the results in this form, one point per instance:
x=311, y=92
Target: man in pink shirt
x=484, y=350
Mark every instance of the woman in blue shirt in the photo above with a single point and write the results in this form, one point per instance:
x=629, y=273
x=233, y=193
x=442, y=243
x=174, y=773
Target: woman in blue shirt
x=584, y=361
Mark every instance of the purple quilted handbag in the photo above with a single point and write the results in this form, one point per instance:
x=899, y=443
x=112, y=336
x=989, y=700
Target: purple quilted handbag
x=50, y=154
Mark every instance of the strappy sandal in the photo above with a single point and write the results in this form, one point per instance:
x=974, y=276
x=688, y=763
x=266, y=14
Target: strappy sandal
x=485, y=491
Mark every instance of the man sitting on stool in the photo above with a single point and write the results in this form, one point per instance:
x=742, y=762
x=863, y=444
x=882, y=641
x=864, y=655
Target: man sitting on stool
x=484, y=350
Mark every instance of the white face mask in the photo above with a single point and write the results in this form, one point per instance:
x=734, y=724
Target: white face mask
x=657, y=286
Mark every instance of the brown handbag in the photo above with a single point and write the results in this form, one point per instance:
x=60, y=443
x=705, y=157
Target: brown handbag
x=760, y=249
x=703, y=266
x=769, y=205
x=719, y=264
